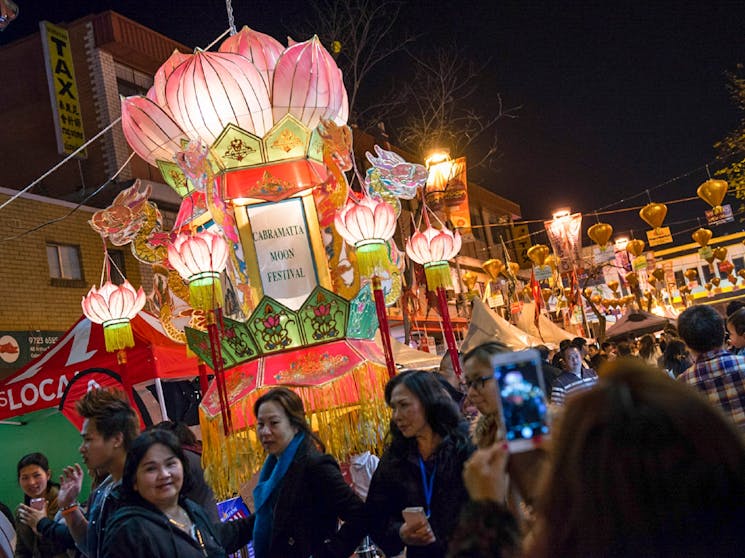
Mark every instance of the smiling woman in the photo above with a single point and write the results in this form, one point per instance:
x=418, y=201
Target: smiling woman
x=39, y=500
x=156, y=521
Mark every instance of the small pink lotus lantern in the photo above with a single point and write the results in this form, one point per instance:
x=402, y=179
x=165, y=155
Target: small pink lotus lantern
x=433, y=248
x=114, y=306
x=367, y=224
x=200, y=258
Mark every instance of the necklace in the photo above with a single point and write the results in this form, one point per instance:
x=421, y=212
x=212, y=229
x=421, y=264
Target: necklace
x=185, y=524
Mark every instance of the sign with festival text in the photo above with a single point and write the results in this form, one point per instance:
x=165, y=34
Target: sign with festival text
x=63, y=89
x=285, y=258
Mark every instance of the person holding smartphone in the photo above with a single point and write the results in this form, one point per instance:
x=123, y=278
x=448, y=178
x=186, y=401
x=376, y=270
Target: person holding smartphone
x=39, y=500
x=417, y=490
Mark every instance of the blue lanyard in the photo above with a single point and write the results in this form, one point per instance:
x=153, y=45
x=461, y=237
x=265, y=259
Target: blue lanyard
x=428, y=484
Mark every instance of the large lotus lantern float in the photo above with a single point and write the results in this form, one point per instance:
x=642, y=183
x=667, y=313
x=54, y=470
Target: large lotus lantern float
x=251, y=83
x=114, y=306
x=200, y=258
x=367, y=224
x=433, y=248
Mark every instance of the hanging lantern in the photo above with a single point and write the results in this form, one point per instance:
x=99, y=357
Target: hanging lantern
x=726, y=266
x=658, y=273
x=702, y=237
x=200, y=258
x=596, y=299
x=493, y=268
x=635, y=247
x=691, y=274
x=712, y=192
x=720, y=253
x=538, y=254
x=114, y=306
x=600, y=233
x=653, y=214
x=632, y=279
x=512, y=268
x=367, y=224
x=433, y=248
x=469, y=279
x=716, y=281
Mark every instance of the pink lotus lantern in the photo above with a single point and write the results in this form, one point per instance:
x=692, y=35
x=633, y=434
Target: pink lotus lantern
x=367, y=225
x=200, y=258
x=114, y=306
x=433, y=248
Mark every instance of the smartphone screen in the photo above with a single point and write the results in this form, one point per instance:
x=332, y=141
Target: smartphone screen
x=524, y=408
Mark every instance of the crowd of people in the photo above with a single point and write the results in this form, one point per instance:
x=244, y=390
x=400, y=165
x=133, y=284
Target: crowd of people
x=646, y=458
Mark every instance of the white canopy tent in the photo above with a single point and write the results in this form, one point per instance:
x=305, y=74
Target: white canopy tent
x=487, y=326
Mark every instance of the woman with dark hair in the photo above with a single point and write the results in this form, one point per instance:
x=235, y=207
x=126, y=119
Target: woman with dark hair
x=421, y=467
x=34, y=478
x=301, y=494
x=154, y=519
x=676, y=358
x=648, y=350
x=482, y=391
x=200, y=491
x=640, y=466
x=736, y=330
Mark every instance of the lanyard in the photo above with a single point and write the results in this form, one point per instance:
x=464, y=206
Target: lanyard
x=428, y=483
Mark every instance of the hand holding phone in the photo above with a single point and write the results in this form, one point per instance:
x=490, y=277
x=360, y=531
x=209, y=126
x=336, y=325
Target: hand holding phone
x=522, y=399
x=416, y=530
x=37, y=503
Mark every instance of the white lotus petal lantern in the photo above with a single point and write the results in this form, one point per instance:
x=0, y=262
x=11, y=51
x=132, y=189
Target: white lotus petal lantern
x=214, y=89
x=114, y=306
x=150, y=132
x=433, y=248
x=200, y=258
x=307, y=84
x=262, y=50
x=367, y=225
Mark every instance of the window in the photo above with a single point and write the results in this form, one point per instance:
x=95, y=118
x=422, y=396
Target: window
x=131, y=82
x=64, y=265
x=118, y=273
x=738, y=263
x=708, y=273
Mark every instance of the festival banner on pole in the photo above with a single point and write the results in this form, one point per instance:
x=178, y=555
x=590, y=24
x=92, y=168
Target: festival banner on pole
x=447, y=193
x=564, y=235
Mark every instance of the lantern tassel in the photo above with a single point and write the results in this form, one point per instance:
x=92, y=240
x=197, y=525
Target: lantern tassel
x=118, y=335
x=205, y=291
x=438, y=275
x=371, y=256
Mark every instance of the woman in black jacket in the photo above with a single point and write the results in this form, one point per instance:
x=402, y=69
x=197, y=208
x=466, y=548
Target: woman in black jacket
x=301, y=494
x=154, y=519
x=420, y=468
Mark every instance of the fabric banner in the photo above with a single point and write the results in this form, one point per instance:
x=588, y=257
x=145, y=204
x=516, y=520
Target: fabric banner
x=564, y=235
x=447, y=193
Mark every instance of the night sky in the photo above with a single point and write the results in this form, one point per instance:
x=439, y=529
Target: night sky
x=616, y=98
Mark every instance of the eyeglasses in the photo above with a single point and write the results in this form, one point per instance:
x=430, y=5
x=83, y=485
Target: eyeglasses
x=477, y=383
